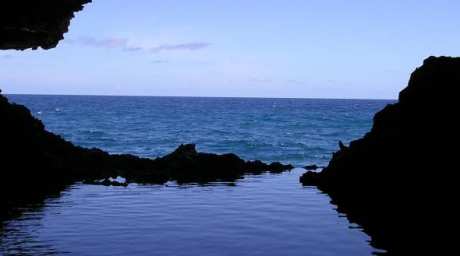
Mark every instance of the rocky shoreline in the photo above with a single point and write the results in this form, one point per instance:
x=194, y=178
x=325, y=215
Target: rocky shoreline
x=393, y=181
x=396, y=182
x=35, y=159
x=25, y=138
x=35, y=162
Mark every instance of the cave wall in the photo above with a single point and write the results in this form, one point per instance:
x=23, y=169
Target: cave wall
x=30, y=24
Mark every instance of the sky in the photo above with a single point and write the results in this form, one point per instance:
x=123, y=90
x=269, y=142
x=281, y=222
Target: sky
x=239, y=48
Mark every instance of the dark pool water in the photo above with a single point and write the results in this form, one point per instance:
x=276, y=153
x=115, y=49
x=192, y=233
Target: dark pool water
x=258, y=215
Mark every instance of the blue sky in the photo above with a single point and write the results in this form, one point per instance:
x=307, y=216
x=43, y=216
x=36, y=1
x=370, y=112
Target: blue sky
x=302, y=49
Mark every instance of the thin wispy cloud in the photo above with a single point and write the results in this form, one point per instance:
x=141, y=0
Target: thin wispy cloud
x=102, y=43
x=159, y=61
x=178, y=47
x=125, y=45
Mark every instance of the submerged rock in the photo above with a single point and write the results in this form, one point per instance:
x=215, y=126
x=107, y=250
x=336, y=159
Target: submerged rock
x=311, y=167
x=394, y=180
x=106, y=182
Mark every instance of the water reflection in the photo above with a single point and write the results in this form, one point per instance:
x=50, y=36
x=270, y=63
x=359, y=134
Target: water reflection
x=258, y=215
x=19, y=232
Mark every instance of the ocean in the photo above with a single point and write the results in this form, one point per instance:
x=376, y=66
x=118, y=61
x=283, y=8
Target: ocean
x=270, y=214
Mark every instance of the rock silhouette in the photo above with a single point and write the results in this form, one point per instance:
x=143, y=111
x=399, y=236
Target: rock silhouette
x=39, y=23
x=33, y=159
x=395, y=180
x=35, y=162
x=27, y=146
x=311, y=167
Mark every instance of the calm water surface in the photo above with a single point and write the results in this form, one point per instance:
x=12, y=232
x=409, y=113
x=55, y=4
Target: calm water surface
x=258, y=215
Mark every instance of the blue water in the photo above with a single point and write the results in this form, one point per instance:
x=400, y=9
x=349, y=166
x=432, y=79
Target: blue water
x=259, y=215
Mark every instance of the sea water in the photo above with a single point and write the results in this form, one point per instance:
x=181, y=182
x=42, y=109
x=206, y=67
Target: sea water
x=258, y=215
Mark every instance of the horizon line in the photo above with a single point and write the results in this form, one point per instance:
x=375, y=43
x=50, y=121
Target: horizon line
x=185, y=96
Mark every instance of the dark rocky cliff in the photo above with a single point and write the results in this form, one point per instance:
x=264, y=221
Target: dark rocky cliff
x=33, y=160
x=30, y=155
x=35, y=23
x=29, y=24
x=394, y=180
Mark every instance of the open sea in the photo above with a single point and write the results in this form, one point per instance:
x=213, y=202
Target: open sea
x=270, y=214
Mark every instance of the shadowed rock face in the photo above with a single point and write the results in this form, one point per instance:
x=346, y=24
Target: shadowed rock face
x=29, y=153
x=34, y=160
x=35, y=23
x=35, y=163
x=395, y=181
